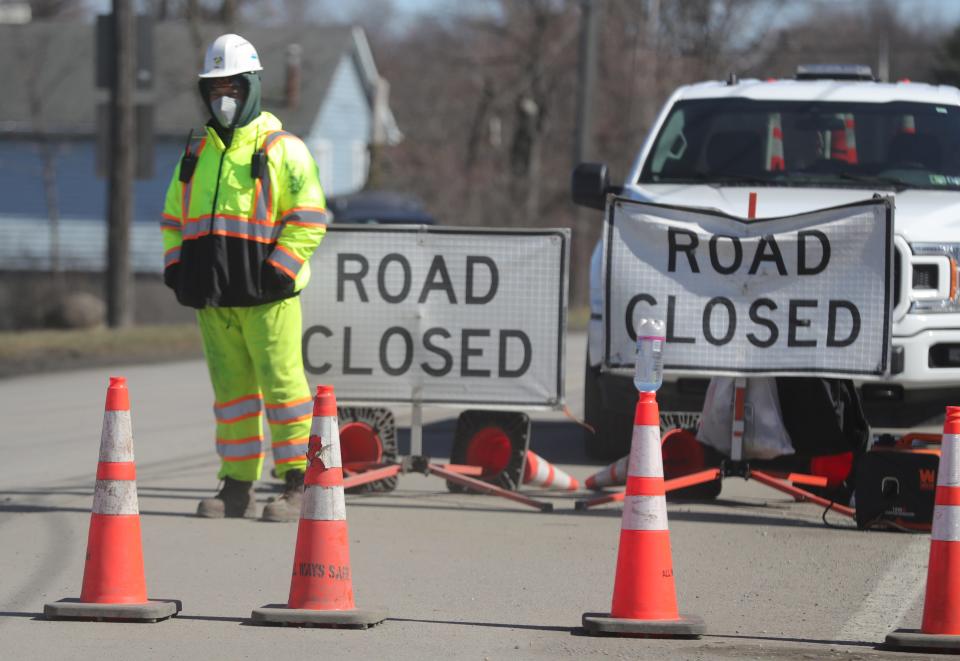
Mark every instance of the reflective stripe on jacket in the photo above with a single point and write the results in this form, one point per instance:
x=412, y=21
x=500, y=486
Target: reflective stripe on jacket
x=235, y=241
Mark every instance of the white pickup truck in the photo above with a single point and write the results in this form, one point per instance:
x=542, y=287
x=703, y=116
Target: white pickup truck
x=831, y=136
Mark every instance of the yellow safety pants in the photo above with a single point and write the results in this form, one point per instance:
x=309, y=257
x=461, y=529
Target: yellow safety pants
x=256, y=364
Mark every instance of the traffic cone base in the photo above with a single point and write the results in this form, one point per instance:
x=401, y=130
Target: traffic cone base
x=153, y=610
x=348, y=619
x=114, y=587
x=685, y=626
x=914, y=640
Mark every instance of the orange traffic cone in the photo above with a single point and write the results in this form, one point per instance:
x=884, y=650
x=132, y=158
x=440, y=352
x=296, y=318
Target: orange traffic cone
x=113, y=583
x=538, y=472
x=613, y=475
x=321, y=589
x=940, y=627
x=644, y=596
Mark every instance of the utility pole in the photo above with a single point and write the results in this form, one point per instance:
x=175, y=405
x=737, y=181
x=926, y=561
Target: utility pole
x=883, y=55
x=586, y=225
x=586, y=68
x=121, y=167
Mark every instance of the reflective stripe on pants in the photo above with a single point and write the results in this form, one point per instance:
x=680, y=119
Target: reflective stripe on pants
x=256, y=368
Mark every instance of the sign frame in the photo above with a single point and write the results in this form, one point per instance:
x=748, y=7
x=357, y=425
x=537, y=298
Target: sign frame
x=883, y=368
x=557, y=402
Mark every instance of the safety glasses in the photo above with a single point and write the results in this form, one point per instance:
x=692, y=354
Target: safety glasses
x=229, y=86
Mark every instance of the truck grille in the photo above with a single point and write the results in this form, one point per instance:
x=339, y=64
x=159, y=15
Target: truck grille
x=925, y=276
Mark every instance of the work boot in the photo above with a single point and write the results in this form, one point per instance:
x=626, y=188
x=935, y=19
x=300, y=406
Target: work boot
x=287, y=506
x=235, y=500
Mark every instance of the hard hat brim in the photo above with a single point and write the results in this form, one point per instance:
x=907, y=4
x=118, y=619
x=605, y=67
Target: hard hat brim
x=227, y=73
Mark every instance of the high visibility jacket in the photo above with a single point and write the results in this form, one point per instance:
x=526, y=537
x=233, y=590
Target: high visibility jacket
x=232, y=240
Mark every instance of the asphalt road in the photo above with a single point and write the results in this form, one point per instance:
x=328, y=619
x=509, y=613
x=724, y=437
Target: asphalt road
x=462, y=576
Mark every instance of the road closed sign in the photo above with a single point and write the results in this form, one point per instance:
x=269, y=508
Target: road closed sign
x=438, y=315
x=798, y=295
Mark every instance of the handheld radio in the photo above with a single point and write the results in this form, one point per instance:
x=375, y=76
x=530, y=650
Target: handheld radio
x=188, y=163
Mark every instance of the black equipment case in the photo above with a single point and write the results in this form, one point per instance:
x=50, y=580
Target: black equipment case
x=896, y=483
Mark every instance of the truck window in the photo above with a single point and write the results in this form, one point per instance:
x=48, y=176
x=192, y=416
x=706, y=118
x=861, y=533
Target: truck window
x=672, y=145
x=808, y=143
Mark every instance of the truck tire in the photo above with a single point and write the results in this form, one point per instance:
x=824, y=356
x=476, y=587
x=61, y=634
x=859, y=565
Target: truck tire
x=612, y=430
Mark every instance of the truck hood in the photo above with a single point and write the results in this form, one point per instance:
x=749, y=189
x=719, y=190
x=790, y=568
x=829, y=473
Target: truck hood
x=920, y=215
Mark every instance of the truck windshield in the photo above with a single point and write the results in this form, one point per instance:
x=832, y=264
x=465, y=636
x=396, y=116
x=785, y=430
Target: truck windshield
x=808, y=143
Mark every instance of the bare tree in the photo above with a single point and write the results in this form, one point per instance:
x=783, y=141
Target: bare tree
x=882, y=38
x=59, y=9
x=947, y=68
x=487, y=100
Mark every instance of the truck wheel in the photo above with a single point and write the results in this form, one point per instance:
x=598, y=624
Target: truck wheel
x=610, y=439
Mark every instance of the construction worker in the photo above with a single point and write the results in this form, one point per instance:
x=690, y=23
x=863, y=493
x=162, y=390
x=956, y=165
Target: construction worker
x=243, y=214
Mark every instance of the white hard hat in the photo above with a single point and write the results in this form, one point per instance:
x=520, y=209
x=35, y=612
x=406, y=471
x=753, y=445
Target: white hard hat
x=228, y=55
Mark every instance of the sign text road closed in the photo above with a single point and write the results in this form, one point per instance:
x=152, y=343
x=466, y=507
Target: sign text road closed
x=805, y=294
x=438, y=315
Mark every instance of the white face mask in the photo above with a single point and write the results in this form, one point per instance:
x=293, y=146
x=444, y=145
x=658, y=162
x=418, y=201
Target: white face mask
x=225, y=110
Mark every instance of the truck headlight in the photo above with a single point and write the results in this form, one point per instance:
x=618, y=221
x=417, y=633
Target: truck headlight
x=934, y=279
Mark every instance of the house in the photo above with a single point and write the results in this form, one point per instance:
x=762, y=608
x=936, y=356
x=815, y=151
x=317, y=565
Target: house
x=321, y=81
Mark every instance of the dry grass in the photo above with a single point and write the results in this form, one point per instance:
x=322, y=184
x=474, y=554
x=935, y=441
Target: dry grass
x=32, y=351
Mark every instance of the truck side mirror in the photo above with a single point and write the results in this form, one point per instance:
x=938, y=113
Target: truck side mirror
x=590, y=185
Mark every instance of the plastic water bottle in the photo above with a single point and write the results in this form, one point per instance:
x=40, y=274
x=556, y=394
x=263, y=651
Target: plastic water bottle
x=648, y=372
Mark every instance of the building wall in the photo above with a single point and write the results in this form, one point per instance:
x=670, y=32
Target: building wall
x=341, y=132
x=338, y=140
x=80, y=192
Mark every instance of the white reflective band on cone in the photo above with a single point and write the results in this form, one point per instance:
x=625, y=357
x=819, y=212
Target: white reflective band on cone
x=561, y=479
x=645, y=458
x=116, y=439
x=644, y=513
x=948, y=473
x=946, y=523
x=618, y=472
x=543, y=472
x=115, y=497
x=327, y=428
x=323, y=504
x=612, y=474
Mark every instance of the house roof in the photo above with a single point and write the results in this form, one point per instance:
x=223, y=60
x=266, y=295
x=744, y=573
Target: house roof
x=52, y=86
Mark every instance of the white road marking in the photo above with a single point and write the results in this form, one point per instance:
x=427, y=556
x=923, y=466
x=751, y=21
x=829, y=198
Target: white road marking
x=895, y=593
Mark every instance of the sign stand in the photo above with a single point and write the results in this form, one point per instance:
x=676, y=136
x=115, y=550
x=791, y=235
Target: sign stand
x=736, y=466
x=416, y=462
